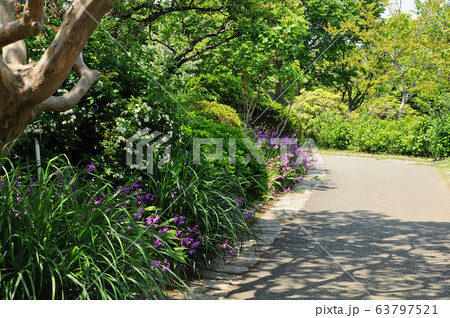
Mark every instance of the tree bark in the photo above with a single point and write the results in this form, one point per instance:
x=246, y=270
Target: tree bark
x=405, y=98
x=27, y=89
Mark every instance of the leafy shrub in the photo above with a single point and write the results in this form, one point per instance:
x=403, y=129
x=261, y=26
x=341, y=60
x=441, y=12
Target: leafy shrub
x=252, y=175
x=439, y=137
x=384, y=107
x=219, y=113
x=330, y=130
x=417, y=136
x=101, y=135
x=310, y=104
x=272, y=116
x=223, y=88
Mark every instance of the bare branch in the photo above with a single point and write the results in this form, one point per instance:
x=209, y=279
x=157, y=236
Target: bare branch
x=50, y=72
x=32, y=22
x=63, y=103
x=185, y=59
x=162, y=43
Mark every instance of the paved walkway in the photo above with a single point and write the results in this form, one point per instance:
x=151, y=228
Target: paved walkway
x=374, y=229
x=361, y=229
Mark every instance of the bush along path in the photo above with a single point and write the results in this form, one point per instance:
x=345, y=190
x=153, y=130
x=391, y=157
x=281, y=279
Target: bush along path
x=75, y=235
x=224, y=274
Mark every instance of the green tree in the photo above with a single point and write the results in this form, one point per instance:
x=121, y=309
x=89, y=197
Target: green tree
x=265, y=56
x=413, y=52
x=330, y=60
x=184, y=30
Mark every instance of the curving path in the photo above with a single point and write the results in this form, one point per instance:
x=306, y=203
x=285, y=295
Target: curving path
x=374, y=229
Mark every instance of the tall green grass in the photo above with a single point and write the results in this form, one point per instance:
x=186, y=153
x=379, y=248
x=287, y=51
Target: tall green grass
x=75, y=235
x=206, y=195
x=57, y=242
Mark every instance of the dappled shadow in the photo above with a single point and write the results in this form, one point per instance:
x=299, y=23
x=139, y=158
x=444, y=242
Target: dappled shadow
x=322, y=185
x=388, y=258
x=326, y=185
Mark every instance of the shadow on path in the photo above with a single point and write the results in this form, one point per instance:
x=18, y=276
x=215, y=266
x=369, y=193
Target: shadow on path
x=389, y=259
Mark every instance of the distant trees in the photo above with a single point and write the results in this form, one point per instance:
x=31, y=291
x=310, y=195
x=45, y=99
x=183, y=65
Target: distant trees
x=411, y=54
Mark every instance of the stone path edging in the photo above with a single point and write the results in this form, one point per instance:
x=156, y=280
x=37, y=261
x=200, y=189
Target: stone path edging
x=224, y=274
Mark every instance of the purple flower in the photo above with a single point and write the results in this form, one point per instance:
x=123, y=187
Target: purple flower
x=195, y=244
x=179, y=219
x=164, y=230
x=154, y=264
x=185, y=242
x=158, y=243
x=248, y=214
x=239, y=201
x=91, y=168
x=166, y=267
x=193, y=229
x=135, y=186
x=153, y=220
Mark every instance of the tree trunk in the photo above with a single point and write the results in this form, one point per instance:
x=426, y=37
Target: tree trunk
x=404, y=101
x=26, y=89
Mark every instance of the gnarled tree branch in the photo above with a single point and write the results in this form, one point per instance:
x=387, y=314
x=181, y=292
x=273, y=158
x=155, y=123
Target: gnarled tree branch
x=27, y=89
x=67, y=101
x=32, y=22
x=52, y=69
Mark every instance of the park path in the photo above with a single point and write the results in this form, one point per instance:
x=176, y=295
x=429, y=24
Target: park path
x=372, y=229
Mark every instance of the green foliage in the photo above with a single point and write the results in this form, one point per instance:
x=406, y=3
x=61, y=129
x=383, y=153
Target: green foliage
x=385, y=106
x=331, y=130
x=223, y=88
x=272, y=116
x=130, y=116
x=219, y=113
x=205, y=195
x=407, y=53
x=76, y=235
x=310, y=104
x=252, y=176
x=439, y=137
x=416, y=136
x=61, y=238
